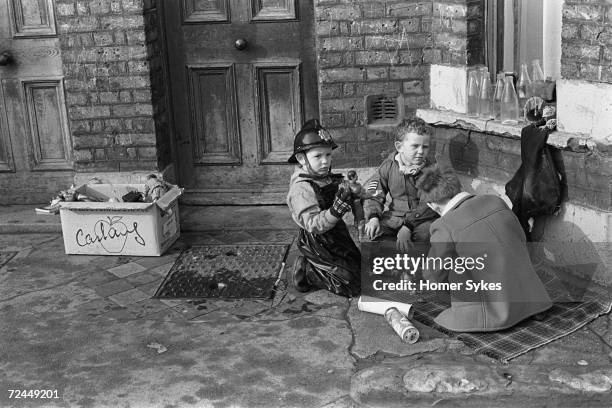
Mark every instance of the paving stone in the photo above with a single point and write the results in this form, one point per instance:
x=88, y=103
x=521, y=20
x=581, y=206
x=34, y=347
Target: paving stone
x=96, y=278
x=127, y=269
x=97, y=307
x=151, y=288
x=167, y=315
x=150, y=262
x=373, y=334
x=142, y=278
x=325, y=297
x=190, y=310
x=129, y=297
x=162, y=270
x=113, y=287
x=146, y=307
x=172, y=302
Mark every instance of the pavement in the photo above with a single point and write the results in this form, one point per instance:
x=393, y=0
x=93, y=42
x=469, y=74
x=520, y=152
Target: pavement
x=86, y=328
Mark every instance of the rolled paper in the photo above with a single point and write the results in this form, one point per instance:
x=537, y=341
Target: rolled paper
x=380, y=306
x=402, y=326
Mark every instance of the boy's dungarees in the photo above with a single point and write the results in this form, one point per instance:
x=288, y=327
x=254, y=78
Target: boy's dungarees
x=334, y=258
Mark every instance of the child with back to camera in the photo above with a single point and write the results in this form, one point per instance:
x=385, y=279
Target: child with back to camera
x=317, y=200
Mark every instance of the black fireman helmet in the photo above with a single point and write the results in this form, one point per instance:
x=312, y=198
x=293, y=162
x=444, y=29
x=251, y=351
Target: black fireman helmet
x=311, y=135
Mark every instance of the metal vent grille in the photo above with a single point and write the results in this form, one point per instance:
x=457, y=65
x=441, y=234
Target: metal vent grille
x=384, y=110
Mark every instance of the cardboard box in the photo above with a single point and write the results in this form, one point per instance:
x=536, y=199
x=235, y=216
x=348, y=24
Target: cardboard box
x=118, y=228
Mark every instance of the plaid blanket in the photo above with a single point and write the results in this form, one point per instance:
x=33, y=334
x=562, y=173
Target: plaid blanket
x=560, y=320
x=575, y=305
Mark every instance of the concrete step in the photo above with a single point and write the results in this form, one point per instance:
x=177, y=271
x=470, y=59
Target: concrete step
x=15, y=219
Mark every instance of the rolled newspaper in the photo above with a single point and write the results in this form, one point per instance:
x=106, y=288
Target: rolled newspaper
x=380, y=306
x=402, y=326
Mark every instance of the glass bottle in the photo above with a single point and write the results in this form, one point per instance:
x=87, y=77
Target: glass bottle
x=537, y=73
x=497, y=98
x=473, y=93
x=524, y=80
x=485, y=110
x=509, y=104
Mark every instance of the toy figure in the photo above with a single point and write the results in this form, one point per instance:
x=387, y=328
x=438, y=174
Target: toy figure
x=357, y=206
x=317, y=200
x=154, y=188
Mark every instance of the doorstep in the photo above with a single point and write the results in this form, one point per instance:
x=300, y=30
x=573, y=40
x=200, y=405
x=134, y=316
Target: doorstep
x=22, y=219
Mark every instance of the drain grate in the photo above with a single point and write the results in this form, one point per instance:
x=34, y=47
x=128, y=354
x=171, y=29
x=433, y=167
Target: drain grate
x=224, y=271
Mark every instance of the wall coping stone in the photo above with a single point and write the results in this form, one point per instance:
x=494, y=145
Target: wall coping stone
x=562, y=140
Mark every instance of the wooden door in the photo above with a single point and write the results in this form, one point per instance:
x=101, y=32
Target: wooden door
x=35, y=147
x=236, y=110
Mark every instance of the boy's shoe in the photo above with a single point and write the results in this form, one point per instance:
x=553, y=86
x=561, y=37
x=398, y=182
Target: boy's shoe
x=300, y=282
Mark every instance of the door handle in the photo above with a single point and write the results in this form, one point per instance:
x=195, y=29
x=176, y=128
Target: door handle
x=5, y=58
x=240, y=44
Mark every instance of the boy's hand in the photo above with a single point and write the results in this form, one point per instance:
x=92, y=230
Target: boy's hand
x=372, y=228
x=342, y=203
x=404, y=239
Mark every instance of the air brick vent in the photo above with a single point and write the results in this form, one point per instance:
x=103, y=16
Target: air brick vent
x=383, y=110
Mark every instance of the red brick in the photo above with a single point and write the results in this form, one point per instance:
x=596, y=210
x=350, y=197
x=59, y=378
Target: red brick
x=341, y=43
x=582, y=12
x=406, y=9
x=407, y=72
x=377, y=73
x=389, y=57
x=338, y=12
x=373, y=10
x=377, y=26
x=135, y=109
x=121, y=22
x=342, y=74
x=413, y=87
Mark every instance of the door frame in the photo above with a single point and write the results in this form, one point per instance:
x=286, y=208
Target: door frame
x=266, y=195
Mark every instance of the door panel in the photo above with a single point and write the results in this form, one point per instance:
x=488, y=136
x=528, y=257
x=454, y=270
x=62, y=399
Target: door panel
x=49, y=139
x=212, y=106
x=266, y=10
x=205, y=11
x=32, y=18
x=236, y=110
x=6, y=150
x=279, y=110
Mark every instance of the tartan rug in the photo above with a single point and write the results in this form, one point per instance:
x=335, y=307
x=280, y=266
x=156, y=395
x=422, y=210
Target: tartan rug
x=558, y=321
x=224, y=271
x=562, y=319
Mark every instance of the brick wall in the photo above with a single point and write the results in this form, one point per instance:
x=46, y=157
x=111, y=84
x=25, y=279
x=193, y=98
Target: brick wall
x=587, y=40
x=496, y=158
x=108, y=87
x=385, y=47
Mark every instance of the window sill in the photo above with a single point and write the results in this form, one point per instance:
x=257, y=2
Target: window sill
x=558, y=139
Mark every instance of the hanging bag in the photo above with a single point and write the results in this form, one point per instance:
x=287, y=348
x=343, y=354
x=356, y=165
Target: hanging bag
x=536, y=188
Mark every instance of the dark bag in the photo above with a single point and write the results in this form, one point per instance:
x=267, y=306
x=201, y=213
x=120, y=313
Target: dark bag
x=334, y=259
x=536, y=188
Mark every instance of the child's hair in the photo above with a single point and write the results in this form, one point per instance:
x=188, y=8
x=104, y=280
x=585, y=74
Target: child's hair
x=351, y=174
x=416, y=125
x=437, y=185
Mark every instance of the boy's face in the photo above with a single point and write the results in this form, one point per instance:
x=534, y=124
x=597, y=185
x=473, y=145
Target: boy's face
x=413, y=149
x=319, y=159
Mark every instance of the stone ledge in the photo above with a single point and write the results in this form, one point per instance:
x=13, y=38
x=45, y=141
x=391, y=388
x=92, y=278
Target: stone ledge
x=561, y=140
